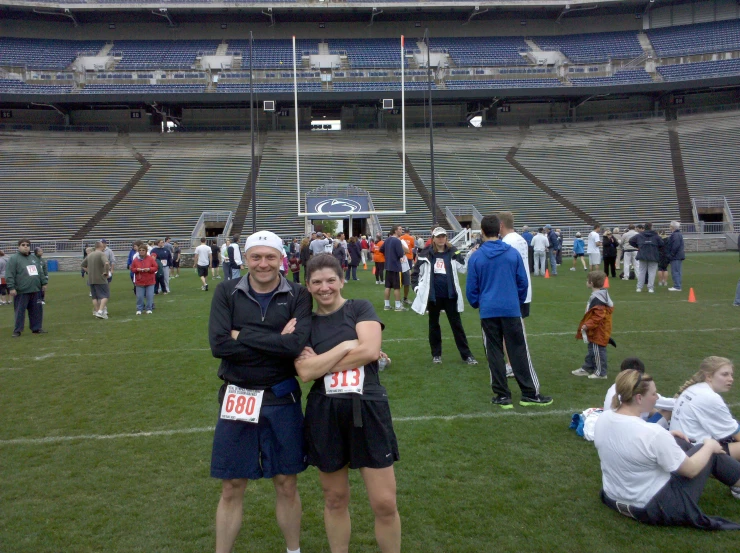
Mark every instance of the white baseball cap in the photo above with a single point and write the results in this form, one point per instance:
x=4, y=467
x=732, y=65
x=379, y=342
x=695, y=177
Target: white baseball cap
x=264, y=238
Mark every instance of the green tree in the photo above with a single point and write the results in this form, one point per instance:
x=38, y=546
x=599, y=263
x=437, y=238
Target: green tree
x=328, y=226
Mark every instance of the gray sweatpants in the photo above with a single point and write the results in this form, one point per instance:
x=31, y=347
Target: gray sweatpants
x=595, y=359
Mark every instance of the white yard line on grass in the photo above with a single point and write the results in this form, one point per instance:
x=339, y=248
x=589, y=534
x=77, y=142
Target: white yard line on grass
x=540, y=412
x=389, y=340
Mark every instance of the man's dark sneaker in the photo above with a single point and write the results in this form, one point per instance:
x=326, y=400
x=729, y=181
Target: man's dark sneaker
x=538, y=400
x=16, y=334
x=41, y=331
x=502, y=401
x=206, y=288
x=406, y=301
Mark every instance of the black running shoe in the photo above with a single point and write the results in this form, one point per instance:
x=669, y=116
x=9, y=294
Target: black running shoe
x=538, y=400
x=502, y=401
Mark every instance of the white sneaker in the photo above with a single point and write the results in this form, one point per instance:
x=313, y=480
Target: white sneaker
x=149, y=312
x=651, y=290
x=596, y=376
x=674, y=289
x=138, y=312
x=101, y=315
x=572, y=268
x=638, y=290
x=580, y=372
x=735, y=491
x=509, y=371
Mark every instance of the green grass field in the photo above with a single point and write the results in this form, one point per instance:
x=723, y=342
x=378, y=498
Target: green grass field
x=107, y=426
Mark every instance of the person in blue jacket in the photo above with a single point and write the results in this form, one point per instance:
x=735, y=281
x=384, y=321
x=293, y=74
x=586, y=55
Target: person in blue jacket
x=676, y=255
x=497, y=285
x=579, y=250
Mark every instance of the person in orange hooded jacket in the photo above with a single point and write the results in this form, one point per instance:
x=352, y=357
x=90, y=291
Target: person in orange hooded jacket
x=595, y=327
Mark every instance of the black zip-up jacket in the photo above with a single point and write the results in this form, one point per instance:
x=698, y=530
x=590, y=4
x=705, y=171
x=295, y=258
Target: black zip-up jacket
x=649, y=245
x=262, y=356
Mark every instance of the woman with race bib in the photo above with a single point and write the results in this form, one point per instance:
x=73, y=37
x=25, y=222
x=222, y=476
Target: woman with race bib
x=348, y=419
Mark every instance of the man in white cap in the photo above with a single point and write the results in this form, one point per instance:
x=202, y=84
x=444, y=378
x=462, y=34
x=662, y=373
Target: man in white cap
x=258, y=325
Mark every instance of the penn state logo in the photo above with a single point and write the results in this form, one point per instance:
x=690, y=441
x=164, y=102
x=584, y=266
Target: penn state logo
x=338, y=205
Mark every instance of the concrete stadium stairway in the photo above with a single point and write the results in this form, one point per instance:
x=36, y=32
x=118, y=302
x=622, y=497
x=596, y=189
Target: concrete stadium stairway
x=115, y=200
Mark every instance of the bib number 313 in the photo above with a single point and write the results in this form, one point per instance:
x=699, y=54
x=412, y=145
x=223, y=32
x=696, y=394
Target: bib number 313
x=350, y=381
x=241, y=404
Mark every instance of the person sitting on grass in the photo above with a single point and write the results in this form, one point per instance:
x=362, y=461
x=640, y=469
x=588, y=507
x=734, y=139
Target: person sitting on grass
x=663, y=405
x=596, y=327
x=650, y=475
x=701, y=412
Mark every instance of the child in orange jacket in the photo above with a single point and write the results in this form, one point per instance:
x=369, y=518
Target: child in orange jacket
x=595, y=327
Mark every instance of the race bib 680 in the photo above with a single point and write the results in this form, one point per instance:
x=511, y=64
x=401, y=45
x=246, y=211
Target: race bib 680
x=241, y=404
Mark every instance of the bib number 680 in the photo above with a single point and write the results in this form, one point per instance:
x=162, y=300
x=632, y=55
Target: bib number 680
x=241, y=404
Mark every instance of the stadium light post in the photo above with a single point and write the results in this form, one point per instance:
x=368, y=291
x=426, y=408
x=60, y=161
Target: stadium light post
x=253, y=183
x=431, y=128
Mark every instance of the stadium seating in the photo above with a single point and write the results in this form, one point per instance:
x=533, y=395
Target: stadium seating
x=503, y=83
x=617, y=173
x=631, y=76
x=189, y=174
x=142, y=88
x=709, y=151
x=483, y=51
x=471, y=168
x=273, y=54
x=718, y=36
x=369, y=52
x=380, y=85
x=269, y=87
x=593, y=47
x=12, y=86
x=700, y=70
x=44, y=53
x=53, y=185
x=160, y=54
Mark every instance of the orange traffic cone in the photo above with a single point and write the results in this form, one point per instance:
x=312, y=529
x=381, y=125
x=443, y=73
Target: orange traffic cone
x=547, y=273
x=606, y=282
x=692, y=297
x=364, y=266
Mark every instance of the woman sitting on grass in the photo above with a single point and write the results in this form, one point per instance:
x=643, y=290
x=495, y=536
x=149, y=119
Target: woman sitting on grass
x=649, y=475
x=348, y=419
x=700, y=411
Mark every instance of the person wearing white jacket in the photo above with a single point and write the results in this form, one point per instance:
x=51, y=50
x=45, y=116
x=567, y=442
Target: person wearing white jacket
x=437, y=288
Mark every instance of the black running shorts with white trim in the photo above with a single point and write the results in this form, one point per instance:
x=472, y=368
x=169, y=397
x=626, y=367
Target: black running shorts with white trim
x=332, y=440
x=393, y=280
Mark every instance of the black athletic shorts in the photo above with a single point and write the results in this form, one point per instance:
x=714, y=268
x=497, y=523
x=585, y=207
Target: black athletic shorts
x=393, y=280
x=202, y=270
x=406, y=278
x=214, y=264
x=332, y=440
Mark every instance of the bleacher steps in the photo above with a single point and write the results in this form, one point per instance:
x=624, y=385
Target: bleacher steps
x=122, y=193
x=243, y=209
x=679, y=175
x=646, y=45
x=106, y=49
x=577, y=211
x=222, y=49
x=532, y=45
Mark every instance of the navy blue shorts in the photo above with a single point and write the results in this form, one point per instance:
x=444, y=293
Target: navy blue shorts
x=272, y=446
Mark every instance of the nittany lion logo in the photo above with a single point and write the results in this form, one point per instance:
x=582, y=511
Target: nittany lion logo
x=338, y=205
